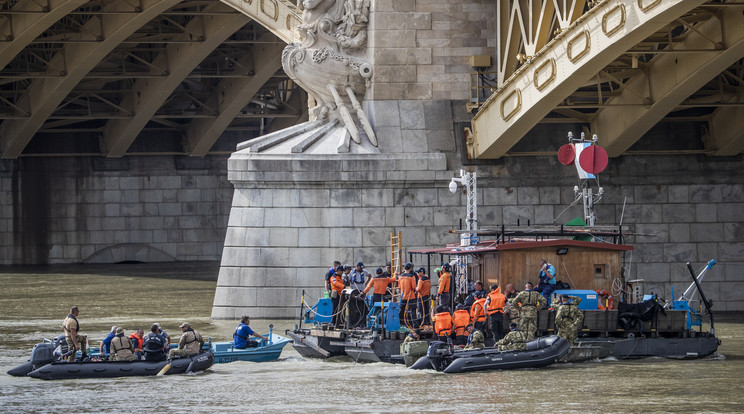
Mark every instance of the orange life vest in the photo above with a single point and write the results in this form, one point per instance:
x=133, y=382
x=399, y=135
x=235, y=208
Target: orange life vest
x=337, y=283
x=496, y=301
x=461, y=319
x=443, y=323
x=140, y=341
x=476, y=311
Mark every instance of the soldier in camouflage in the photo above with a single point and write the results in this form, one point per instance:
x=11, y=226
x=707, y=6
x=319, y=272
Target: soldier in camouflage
x=512, y=310
x=476, y=340
x=513, y=341
x=568, y=317
x=529, y=302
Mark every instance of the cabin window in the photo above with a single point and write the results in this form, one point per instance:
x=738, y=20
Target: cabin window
x=599, y=270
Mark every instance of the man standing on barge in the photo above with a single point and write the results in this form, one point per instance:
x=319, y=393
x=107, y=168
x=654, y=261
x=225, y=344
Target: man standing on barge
x=568, y=317
x=529, y=302
x=443, y=293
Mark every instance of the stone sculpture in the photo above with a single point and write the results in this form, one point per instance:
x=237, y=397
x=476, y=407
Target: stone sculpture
x=330, y=61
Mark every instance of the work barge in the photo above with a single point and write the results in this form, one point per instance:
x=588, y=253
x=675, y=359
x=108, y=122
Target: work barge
x=619, y=320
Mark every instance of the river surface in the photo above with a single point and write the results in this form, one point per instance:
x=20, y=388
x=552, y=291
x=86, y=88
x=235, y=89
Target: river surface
x=34, y=301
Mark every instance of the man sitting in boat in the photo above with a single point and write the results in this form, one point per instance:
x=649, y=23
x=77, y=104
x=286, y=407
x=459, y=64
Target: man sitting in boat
x=242, y=334
x=138, y=341
x=155, y=345
x=513, y=341
x=121, y=347
x=105, y=347
x=190, y=343
x=164, y=334
x=476, y=340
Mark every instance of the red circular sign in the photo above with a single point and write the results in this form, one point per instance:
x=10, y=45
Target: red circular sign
x=593, y=159
x=567, y=154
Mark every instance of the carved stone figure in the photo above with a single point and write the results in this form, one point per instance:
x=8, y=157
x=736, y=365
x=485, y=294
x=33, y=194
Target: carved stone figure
x=330, y=61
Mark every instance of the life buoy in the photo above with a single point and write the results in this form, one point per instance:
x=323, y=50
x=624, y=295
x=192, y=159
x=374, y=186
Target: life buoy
x=605, y=299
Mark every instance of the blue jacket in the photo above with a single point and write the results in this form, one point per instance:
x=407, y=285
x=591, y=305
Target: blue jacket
x=107, y=342
x=241, y=335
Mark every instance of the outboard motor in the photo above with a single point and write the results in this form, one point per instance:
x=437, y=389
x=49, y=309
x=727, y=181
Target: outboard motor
x=42, y=354
x=438, y=353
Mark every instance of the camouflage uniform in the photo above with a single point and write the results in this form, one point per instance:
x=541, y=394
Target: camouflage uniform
x=476, y=340
x=568, y=318
x=529, y=302
x=512, y=310
x=513, y=341
x=190, y=344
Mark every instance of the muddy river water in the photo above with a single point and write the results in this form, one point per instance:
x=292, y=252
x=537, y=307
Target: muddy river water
x=35, y=300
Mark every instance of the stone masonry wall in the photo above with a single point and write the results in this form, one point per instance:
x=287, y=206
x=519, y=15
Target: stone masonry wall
x=421, y=48
x=678, y=208
x=83, y=209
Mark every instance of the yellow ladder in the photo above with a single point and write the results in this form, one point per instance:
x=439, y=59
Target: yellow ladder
x=396, y=264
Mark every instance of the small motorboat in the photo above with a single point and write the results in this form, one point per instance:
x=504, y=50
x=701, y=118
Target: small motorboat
x=540, y=352
x=264, y=351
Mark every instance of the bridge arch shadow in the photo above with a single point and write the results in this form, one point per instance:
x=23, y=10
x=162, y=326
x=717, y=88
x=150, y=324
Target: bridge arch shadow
x=129, y=252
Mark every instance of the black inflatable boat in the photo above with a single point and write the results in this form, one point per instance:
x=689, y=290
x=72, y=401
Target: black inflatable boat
x=45, y=365
x=540, y=352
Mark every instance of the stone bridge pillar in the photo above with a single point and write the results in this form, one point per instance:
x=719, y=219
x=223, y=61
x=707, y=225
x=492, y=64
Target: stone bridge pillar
x=363, y=166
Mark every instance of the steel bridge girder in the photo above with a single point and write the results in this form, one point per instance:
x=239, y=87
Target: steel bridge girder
x=233, y=95
x=43, y=96
x=148, y=95
x=24, y=28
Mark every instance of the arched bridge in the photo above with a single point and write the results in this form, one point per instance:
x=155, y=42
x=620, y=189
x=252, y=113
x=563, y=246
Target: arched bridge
x=619, y=67
x=116, y=77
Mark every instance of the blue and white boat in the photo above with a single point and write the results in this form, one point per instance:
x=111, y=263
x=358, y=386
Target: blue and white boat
x=265, y=351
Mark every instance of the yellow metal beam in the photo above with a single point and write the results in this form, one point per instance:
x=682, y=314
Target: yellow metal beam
x=572, y=58
x=281, y=17
x=726, y=132
x=668, y=80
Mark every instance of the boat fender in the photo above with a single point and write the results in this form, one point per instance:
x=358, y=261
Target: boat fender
x=610, y=302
